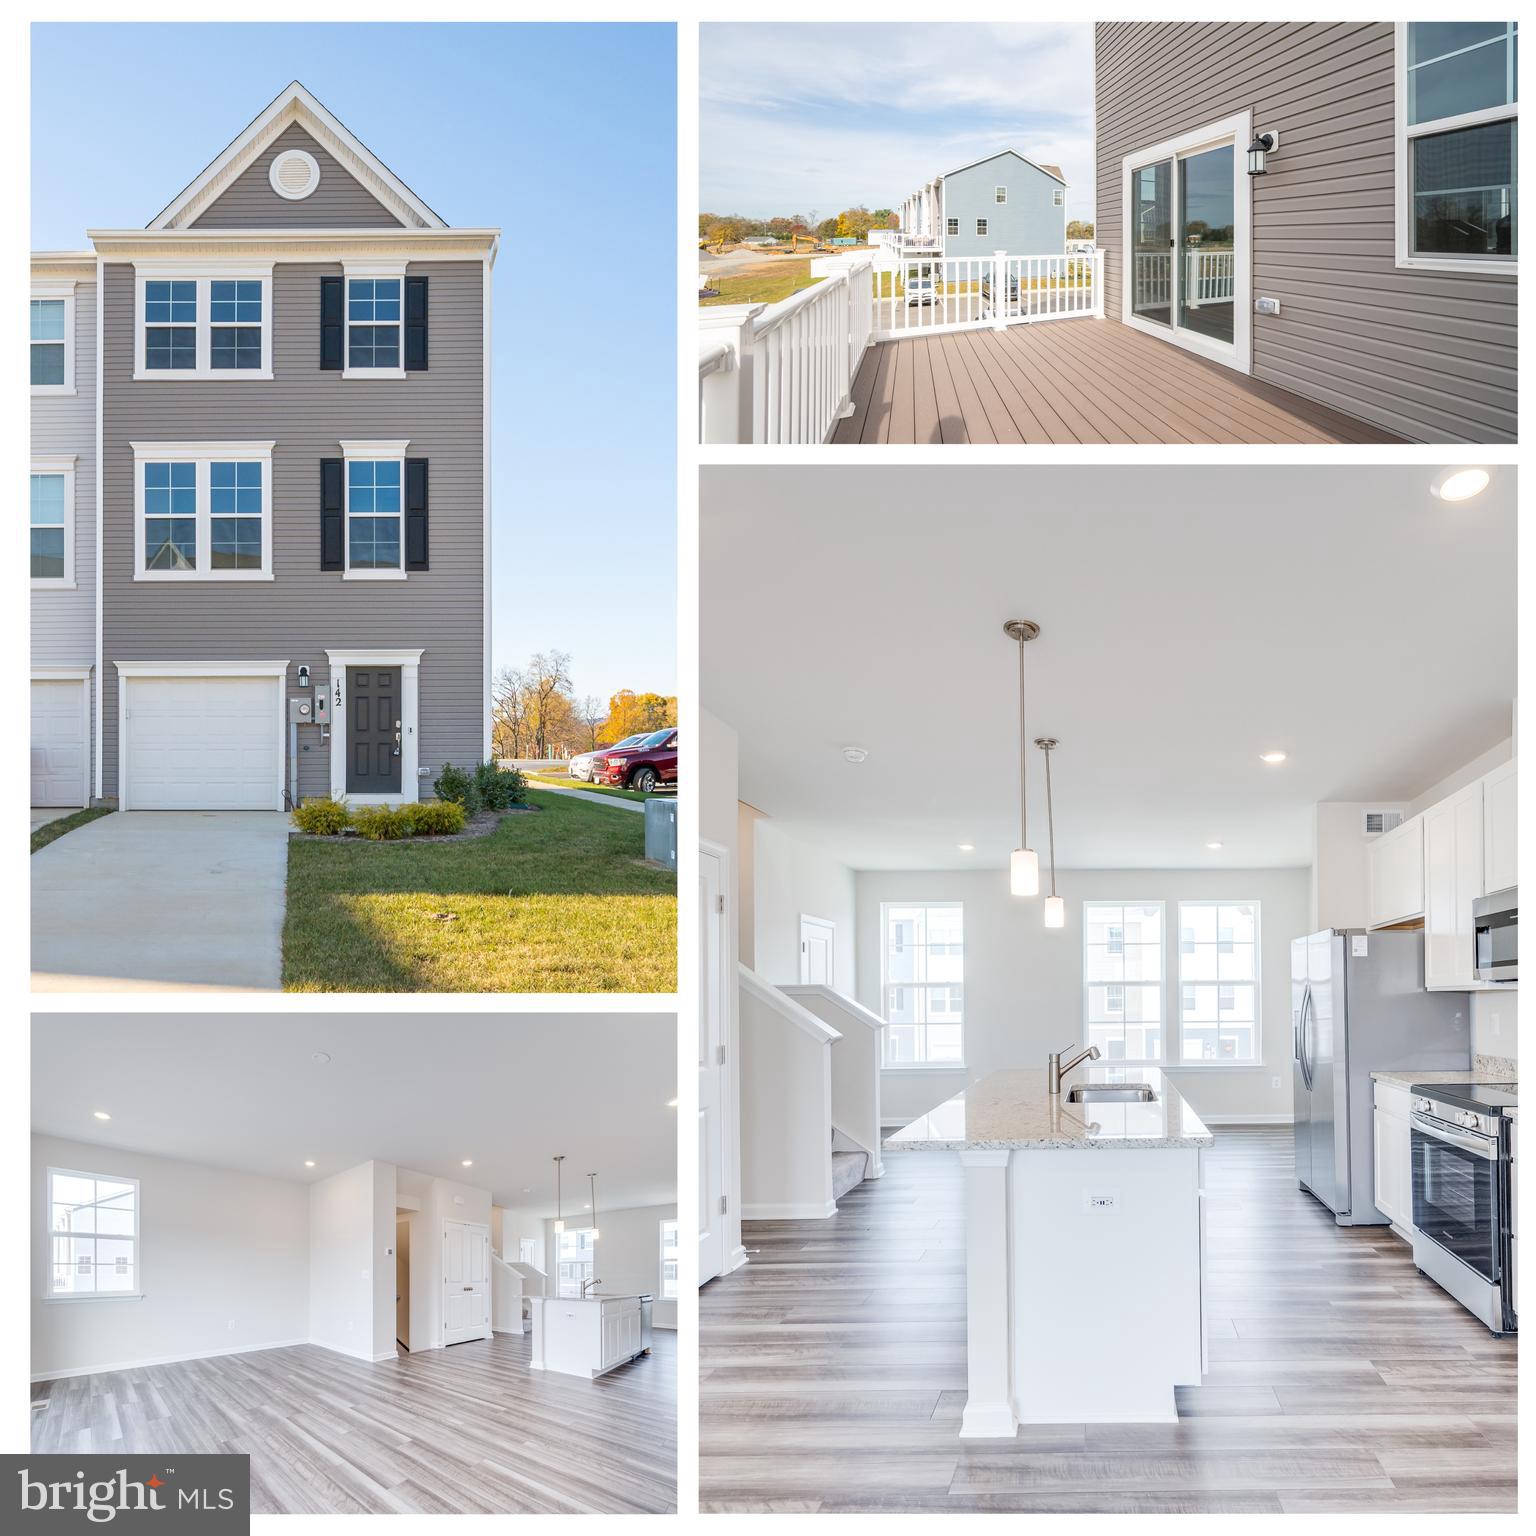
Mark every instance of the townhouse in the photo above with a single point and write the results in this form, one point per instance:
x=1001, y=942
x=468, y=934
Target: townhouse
x=281, y=408
x=1002, y=202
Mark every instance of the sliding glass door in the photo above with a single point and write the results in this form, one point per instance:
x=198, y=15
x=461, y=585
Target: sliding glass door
x=1207, y=223
x=1152, y=242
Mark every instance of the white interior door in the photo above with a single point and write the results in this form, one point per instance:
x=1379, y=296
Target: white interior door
x=818, y=938
x=466, y=1281
x=202, y=744
x=713, y=954
x=58, y=742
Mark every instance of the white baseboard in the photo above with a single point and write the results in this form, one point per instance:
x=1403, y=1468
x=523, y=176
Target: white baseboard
x=1249, y=1119
x=736, y=1260
x=806, y=1212
x=135, y=1365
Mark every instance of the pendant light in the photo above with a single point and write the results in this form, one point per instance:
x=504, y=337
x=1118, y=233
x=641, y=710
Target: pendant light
x=1024, y=866
x=592, y=1181
x=559, y=1216
x=1055, y=907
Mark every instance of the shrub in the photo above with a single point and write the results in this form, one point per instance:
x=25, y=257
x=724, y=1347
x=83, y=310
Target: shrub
x=436, y=818
x=382, y=823
x=499, y=787
x=324, y=816
x=457, y=785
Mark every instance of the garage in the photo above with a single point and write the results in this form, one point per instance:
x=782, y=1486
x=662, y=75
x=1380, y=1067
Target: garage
x=60, y=756
x=201, y=743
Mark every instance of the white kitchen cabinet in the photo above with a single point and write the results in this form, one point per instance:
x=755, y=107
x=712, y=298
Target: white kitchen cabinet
x=1396, y=865
x=1453, y=880
x=1393, y=1157
x=1499, y=841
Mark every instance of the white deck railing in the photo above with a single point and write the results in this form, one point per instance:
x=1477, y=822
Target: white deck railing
x=1209, y=278
x=783, y=373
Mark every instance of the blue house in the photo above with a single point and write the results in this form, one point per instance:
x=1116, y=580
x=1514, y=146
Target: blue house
x=1004, y=202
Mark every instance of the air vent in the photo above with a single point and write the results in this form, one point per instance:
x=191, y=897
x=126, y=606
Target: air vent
x=1377, y=822
x=294, y=174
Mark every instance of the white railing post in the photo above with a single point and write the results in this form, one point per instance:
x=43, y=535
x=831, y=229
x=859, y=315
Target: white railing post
x=1098, y=281
x=999, y=290
x=725, y=381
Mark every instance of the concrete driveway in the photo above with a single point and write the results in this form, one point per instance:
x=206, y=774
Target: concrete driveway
x=162, y=901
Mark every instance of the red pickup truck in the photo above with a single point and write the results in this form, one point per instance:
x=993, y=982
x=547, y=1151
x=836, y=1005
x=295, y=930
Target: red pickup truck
x=646, y=765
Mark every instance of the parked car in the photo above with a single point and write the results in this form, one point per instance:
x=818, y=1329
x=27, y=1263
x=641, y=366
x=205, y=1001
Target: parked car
x=650, y=763
x=920, y=282
x=580, y=766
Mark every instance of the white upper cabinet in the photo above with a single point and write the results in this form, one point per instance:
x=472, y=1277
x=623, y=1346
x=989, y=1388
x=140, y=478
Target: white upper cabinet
x=1396, y=865
x=1499, y=839
x=1453, y=880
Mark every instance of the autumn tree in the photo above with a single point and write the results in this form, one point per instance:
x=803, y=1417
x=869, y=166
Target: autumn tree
x=630, y=713
x=1079, y=229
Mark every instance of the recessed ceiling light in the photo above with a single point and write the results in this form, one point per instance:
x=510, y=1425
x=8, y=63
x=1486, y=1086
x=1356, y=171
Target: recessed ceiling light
x=1459, y=484
x=854, y=754
x=101, y=1114
x=966, y=847
x=320, y=1058
x=309, y=1162
x=1271, y=757
x=527, y=1190
x=671, y=1103
x=468, y=1162
x=585, y=1206
x=1213, y=846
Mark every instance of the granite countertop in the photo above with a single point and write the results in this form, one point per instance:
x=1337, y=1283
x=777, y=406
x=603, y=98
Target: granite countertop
x=1012, y=1111
x=1441, y=1075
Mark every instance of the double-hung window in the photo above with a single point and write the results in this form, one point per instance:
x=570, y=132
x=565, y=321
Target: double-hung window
x=53, y=338
x=952, y=226
x=923, y=983
x=93, y=1236
x=1219, y=982
x=1457, y=114
x=668, y=1260
x=374, y=317
x=981, y=226
x=53, y=522
x=374, y=515
x=1000, y=194
x=573, y=1260
x=195, y=327
x=204, y=511
x=1123, y=979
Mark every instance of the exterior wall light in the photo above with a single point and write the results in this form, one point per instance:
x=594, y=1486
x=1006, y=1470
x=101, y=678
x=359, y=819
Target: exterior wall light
x=1264, y=144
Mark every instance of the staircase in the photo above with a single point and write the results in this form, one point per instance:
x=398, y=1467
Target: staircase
x=850, y=1165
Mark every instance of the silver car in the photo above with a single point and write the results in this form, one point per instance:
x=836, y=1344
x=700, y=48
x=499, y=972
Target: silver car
x=580, y=767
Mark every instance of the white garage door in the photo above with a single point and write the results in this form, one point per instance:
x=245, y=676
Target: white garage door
x=202, y=744
x=58, y=743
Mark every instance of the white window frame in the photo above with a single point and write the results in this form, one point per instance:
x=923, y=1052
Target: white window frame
x=589, y=1265
x=662, y=1292
x=391, y=450
x=1058, y=197
x=203, y=456
x=351, y=270
x=64, y=289
x=886, y=1063
x=204, y=275
x=1140, y=981
x=66, y=468
x=1404, y=133
x=1174, y=1048
x=981, y=229
x=137, y=1294
x=999, y=195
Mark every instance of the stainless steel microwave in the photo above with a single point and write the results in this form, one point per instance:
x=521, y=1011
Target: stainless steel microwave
x=1496, y=926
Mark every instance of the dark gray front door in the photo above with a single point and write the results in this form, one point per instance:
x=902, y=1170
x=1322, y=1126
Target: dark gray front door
x=373, y=730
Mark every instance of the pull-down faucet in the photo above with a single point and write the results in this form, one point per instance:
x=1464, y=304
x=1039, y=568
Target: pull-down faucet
x=1056, y=1068
x=585, y=1284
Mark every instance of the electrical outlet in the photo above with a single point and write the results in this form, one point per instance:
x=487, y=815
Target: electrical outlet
x=1274, y=1082
x=231, y=1325
x=1493, y=1023
x=1103, y=1202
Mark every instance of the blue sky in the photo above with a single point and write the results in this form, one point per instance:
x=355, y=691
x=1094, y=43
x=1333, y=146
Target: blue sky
x=565, y=137
x=796, y=118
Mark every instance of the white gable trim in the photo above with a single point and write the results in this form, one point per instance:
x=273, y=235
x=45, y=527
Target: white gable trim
x=999, y=155
x=296, y=105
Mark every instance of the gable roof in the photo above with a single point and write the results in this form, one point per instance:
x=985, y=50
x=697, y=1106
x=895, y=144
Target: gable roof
x=294, y=104
x=1050, y=170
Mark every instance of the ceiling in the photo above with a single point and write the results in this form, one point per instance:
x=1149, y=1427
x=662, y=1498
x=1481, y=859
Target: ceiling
x=507, y=1090
x=1192, y=618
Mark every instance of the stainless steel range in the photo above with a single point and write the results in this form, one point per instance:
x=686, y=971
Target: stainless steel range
x=1462, y=1210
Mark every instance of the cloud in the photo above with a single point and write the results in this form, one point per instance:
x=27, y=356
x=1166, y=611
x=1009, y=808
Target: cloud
x=800, y=117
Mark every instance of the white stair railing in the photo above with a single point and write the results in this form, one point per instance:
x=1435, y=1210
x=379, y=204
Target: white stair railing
x=856, y=1063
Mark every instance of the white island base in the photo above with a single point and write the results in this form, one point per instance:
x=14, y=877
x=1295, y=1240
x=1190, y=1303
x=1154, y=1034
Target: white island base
x=590, y=1336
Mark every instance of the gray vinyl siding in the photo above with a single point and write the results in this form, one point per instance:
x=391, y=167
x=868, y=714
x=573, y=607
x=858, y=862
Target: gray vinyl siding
x=339, y=202
x=305, y=611
x=1428, y=355
x=1028, y=224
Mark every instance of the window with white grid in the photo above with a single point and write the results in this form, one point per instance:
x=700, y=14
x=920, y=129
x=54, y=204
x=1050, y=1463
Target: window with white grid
x=923, y=983
x=93, y=1236
x=1123, y=979
x=1219, y=982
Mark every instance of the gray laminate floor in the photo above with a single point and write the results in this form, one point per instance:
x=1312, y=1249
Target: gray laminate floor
x=464, y=1430
x=833, y=1369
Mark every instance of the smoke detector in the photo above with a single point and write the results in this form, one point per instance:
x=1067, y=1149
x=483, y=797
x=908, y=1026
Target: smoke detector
x=854, y=754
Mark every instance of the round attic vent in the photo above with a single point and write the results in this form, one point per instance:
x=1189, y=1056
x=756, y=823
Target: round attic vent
x=294, y=174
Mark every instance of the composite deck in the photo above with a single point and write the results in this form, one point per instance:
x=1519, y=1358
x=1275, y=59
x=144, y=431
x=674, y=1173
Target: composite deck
x=1074, y=381
x=832, y=1369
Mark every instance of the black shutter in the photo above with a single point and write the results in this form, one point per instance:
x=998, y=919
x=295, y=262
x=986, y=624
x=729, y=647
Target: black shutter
x=332, y=324
x=416, y=514
x=332, y=516
x=415, y=325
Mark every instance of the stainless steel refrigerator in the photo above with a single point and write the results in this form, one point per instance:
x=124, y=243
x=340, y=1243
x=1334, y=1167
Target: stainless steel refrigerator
x=1358, y=1006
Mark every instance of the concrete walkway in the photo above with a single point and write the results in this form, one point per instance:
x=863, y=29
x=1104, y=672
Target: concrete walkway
x=592, y=798
x=43, y=814
x=162, y=901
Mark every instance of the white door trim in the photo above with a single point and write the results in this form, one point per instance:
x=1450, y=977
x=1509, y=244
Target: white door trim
x=128, y=670
x=809, y=918
x=409, y=663
x=482, y=1230
x=1238, y=131
x=81, y=675
x=730, y=1134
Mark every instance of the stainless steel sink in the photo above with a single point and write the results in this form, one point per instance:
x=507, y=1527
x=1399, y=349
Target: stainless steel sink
x=1111, y=1093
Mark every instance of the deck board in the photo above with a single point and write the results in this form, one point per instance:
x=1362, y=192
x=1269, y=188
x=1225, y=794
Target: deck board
x=1074, y=381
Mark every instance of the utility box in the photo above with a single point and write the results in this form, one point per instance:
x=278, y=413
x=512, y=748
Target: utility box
x=301, y=711
x=661, y=831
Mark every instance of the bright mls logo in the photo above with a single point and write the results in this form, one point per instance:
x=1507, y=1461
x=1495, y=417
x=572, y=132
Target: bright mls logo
x=81, y=1493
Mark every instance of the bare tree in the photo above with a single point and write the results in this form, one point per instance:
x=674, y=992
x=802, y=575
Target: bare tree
x=591, y=712
x=547, y=676
x=509, y=713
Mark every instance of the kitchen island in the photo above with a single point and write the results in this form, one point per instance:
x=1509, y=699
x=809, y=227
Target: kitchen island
x=1084, y=1246
x=588, y=1335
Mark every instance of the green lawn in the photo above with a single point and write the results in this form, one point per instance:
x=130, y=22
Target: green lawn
x=52, y=831
x=763, y=287
x=558, y=902
x=589, y=789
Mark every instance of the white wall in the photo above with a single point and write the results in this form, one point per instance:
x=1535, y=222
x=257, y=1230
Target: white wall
x=747, y=818
x=1484, y=762
x=1341, y=883
x=1024, y=984
x=508, y=1225
x=1494, y=1019
x=627, y=1255
x=348, y=1235
x=791, y=877
x=442, y=1200
x=223, y=1266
